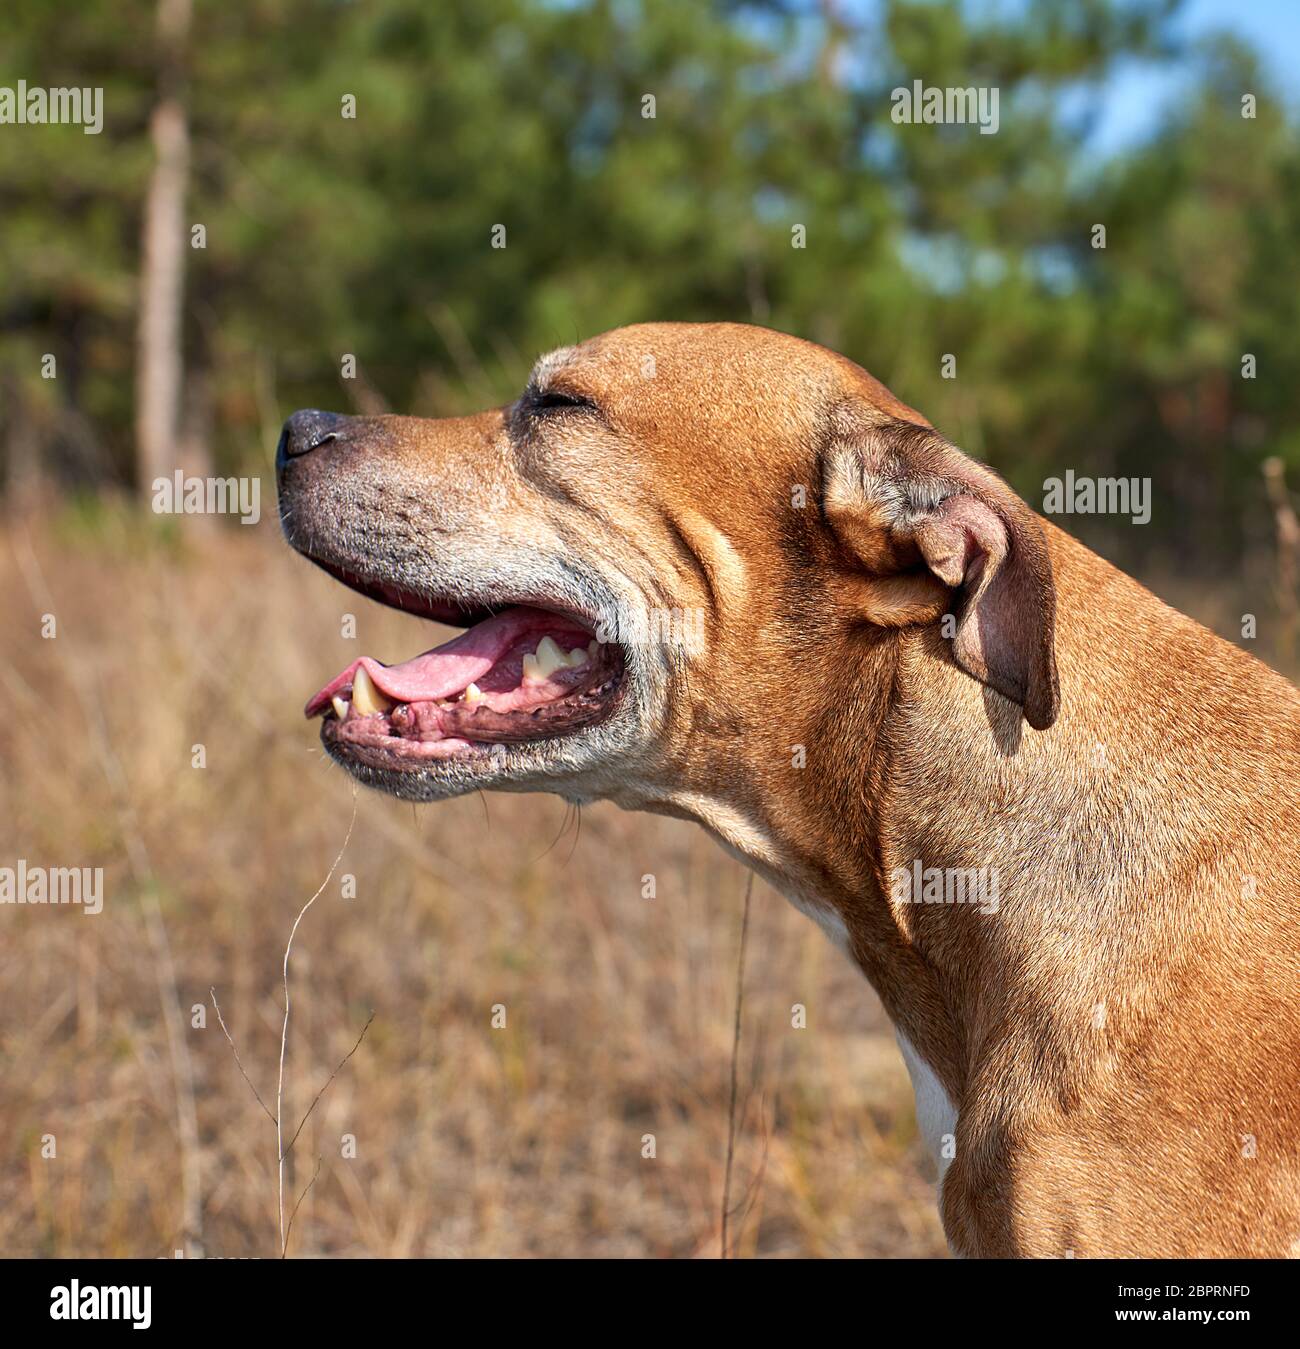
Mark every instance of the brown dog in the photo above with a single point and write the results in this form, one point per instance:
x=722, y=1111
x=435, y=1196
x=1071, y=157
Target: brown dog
x=721, y=573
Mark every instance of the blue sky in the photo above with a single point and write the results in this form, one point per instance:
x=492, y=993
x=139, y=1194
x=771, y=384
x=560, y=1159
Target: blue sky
x=1135, y=94
x=1129, y=106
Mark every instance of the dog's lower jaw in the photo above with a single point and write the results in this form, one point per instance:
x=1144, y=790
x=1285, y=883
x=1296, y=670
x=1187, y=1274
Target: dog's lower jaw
x=583, y=766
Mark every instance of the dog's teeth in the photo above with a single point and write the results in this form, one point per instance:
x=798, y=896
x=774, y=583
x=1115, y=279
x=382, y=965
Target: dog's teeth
x=366, y=698
x=592, y=647
x=549, y=656
x=545, y=662
x=473, y=694
x=340, y=707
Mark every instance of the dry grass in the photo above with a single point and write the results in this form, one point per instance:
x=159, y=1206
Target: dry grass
x=469, y=1140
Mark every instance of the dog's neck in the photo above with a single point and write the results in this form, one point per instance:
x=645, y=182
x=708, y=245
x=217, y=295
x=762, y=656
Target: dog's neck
x=832, y=828
x=912, y=823
x=1064, y=834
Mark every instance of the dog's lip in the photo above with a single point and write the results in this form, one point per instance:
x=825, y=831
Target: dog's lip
x=445, y=607
x=393, y=755
x=399, y=738
x=395, y=595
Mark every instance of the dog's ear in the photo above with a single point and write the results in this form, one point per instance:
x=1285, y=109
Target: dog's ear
x=936, y=532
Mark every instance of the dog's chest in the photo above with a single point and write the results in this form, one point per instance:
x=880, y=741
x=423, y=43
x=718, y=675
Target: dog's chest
x=936, y=1117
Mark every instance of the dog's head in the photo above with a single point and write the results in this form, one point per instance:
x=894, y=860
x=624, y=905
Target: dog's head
x=680, y=543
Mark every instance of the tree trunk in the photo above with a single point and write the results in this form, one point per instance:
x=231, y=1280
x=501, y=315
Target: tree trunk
x=24, y=471
x=160, y=365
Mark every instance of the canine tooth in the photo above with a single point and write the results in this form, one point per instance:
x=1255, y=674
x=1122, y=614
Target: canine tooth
x=366, y=698
x=473, y=694
x=578, y=656
x=544, y=662
x=592, y=647
x=340, y=707
x=550, y=658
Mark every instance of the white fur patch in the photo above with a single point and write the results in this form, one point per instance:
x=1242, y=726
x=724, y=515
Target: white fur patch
x=936, y=1117
x=826, y=918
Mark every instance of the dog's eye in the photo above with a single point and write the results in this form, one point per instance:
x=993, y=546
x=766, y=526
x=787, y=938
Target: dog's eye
x=554, y=398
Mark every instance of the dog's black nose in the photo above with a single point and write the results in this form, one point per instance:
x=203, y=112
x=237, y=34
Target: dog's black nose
x=306, y=431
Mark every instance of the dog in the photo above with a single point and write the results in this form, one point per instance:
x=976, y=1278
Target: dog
x=720, y=573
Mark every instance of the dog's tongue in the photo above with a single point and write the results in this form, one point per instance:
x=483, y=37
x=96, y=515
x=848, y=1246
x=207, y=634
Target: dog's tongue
x=442, y=672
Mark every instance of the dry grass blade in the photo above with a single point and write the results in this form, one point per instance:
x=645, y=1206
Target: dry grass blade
x=326, y=1087
x=284, y=1028
x=288, y=1231
x=229, y=1040
x=282, y=1149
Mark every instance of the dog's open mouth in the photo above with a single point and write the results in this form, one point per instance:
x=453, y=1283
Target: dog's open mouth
x=518, y=676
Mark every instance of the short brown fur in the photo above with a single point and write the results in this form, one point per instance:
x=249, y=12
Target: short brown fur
x=1118, y=1033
